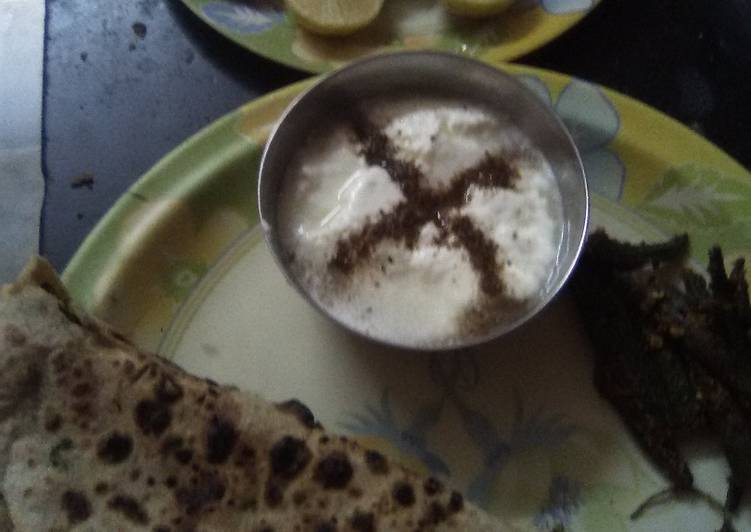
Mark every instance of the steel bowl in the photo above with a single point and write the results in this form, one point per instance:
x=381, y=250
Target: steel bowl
x=432, y=74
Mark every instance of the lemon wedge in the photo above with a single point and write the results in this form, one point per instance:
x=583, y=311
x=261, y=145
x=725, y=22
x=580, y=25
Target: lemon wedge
x=334, y=17
x=477, y=8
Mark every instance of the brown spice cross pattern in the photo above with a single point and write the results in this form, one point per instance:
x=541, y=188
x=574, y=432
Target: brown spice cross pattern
x=423, y=205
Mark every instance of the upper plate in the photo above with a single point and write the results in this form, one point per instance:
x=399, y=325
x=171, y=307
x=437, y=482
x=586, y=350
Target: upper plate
x=263, y=27
x=179, y=264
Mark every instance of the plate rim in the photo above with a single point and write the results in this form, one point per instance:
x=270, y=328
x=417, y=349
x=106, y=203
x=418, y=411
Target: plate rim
x=80, y=266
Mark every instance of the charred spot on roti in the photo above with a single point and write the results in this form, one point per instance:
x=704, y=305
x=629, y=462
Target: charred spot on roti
x=171, y=444
x=184, y=456
x=221, y=437
x=101, y=488
x=81, y=389
x=363, y=522
x=115, y=448
x=76, y=506
x=83, y=409
x=14, y=336
x=432, y=486
x=152, y=417
x=274, y=494
x=334, y=471
x=326, y=527
x=456, y=502
x=130, y=508
x=26, y=378
x=289, y=456
x=57, y=454
x=47, y=287
x=206, y=490
x=300, y=411
x=246, y=455
x=168, y=390
x=435, y=515
x=61, y=361
x=299, y=498
x=376, y=462
x=403, y=493
x=53, y=423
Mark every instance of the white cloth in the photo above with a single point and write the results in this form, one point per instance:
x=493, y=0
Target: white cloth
x=21, y=179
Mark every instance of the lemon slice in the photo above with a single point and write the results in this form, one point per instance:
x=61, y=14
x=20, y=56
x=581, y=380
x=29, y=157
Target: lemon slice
x=334, y=17
x=477, y=8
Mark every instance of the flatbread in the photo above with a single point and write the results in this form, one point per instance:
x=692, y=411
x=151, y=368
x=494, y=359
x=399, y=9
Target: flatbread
x=96, y=435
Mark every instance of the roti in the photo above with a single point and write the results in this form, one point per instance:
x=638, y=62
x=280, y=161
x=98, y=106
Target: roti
x=97, y=435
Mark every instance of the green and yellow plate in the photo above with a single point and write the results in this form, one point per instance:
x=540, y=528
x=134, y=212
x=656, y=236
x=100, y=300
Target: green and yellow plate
x=179, y=264
x=263, y=27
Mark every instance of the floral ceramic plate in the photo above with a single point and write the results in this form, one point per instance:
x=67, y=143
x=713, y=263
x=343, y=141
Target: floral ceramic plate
x=263, y=27
x=179, y=264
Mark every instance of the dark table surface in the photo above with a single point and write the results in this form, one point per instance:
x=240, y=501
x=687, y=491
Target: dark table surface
x=116, y=100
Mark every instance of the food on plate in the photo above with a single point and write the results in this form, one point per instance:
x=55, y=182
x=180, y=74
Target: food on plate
x=673, y=351
x=477, y=8
x=344, y=17
x=97, y=435
x=421, y=221
x=334, y=17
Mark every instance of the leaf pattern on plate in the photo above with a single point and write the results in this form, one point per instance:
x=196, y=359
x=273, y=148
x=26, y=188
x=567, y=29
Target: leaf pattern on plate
x=455, y=375
x=529, y=431
x=593, y=122
x=411, y=439
x=564, y=498
x=252, y=16
x=696, y=198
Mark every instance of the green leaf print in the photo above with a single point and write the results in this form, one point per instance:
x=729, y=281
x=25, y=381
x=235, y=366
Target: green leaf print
x=713, y=208
x=180, y=280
